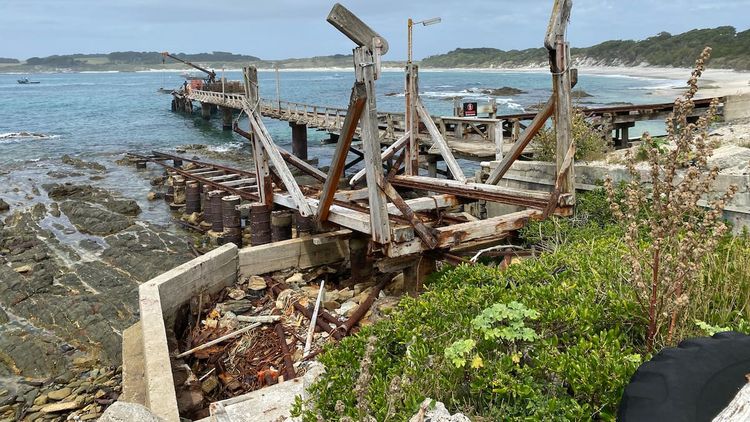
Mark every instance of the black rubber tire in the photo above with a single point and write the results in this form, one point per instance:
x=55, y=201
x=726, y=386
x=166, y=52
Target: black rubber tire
x=691, y=382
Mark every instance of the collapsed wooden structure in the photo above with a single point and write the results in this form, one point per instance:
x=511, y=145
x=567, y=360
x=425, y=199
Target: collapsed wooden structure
x=400, y=213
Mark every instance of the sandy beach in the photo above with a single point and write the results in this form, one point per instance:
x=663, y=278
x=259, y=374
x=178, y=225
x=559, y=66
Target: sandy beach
x=713, y=83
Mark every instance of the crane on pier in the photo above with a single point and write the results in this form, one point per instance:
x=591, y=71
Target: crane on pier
x=211, y=74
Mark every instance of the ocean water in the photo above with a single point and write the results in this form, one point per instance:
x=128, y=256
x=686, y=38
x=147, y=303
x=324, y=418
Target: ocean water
x=101, y=115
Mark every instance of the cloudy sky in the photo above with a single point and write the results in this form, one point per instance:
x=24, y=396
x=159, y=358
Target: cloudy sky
x=277, y=29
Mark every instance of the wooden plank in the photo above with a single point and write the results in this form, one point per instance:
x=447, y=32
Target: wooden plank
x=387, y=154
x=351, y=26
x=381, y=232
x=338, y=162
x=523, y=140
x=279, y=164
x=351, y=219
x=455, y=235
x=475, y=191
x=422, y=231
x=439, y=141
x=226, y=177
x=262, y=170
x=352, y=195
x=428, y=203
x=238, y=182
x=301, y=164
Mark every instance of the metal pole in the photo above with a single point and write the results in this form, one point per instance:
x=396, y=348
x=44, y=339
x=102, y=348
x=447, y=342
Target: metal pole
x=410, y=23
x=278, y=88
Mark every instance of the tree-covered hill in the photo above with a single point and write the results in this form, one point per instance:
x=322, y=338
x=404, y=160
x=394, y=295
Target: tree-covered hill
x=731, y=49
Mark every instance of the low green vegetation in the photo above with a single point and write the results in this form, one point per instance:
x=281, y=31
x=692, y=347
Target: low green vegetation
x=591, y=142
x=731, y=51
x=551, y=338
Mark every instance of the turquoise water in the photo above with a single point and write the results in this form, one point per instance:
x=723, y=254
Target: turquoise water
x=101, y=115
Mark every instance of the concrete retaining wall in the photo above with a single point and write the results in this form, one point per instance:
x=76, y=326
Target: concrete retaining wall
x=159, y=299
x=737, y=107
x=300, y=253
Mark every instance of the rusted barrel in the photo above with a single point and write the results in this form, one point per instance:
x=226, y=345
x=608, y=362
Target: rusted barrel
x=214, y=199
x=169, y=196
x=206, y=204
x=179, y=189
x=192, y=198
x=281, y=225
x=260, y=224
x=305, y=225
x=231, y=217
x=177, y=162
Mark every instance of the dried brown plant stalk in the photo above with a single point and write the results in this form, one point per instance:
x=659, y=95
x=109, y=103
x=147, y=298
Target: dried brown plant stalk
x=668, y=233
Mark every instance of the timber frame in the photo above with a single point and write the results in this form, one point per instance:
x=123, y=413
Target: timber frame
x=395, y=225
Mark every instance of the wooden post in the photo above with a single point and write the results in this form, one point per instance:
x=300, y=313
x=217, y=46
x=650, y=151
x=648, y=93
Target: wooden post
x=356, y=107
x=364, y=64
x=206, y=111
x=361, y=265
x=563, y=118
x=226, y=118
x=299, y=140
x=412, y=120
x=262, y=171
x=498, y=140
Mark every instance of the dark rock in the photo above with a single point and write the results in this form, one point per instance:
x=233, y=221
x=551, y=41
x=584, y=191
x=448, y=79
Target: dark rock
x=506, y=90
x=63, y=174
x=3, y=317
x=94, y=220
x=579, y=93
x=80, y=164
x=91, y=194
x=4, y=206
x=89, y=245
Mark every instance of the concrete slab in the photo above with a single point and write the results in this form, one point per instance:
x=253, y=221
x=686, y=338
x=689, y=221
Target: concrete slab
x=267, y=404
x=133, y=370
x=299, y=253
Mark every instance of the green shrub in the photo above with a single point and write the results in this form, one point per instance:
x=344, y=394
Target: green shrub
x=589, y=332
x=591, y=143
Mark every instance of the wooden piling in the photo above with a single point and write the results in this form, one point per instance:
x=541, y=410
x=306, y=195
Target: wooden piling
x=299, y=140
x=206, y=111
x=179, y=190
x=226, y=118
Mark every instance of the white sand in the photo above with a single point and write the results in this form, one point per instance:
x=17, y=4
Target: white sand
x=713, y=83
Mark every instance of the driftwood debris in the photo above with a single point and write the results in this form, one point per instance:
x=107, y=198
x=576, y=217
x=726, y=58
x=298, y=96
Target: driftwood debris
x=218, y=340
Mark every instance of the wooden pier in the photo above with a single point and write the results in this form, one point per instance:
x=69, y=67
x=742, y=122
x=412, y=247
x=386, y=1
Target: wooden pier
x=468, y=138
x=391, y=211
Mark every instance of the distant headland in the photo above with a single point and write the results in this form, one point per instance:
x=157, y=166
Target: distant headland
x=731, y=51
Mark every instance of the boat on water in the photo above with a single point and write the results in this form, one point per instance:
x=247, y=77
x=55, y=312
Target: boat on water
x=26, y=81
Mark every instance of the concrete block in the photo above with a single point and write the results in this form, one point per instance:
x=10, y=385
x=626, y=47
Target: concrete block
x=133, y=370
x=267, y=404
x=300, y=253
x=737, y=107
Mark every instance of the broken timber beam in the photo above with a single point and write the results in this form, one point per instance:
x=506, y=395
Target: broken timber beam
x=422, y=231
x=458, y=234
x=387, y=154
x=354, y=113
x=439, y=141
x=476, y=191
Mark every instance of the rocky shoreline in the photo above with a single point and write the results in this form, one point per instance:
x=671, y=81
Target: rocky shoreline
x=72, y=255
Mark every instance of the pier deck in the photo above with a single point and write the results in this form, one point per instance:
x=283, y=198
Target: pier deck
x=468, y=138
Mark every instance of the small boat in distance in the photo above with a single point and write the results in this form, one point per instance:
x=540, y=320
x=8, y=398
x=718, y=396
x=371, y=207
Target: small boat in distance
x=26, y=81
